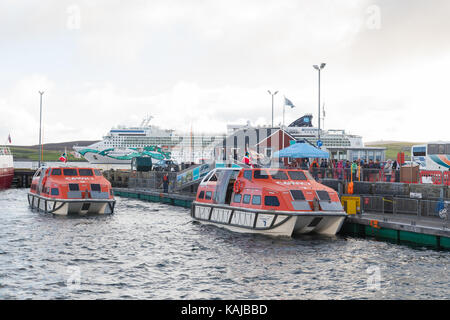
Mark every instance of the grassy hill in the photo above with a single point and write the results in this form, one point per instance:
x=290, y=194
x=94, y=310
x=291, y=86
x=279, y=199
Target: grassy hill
x=52, y=151
x=394, y=147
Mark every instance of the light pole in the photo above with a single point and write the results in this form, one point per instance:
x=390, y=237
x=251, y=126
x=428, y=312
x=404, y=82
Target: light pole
x=318, y=68
x=40, y=124
x=272, y=94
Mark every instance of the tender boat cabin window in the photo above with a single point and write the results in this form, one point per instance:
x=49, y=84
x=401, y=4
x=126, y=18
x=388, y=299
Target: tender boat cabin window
x=271, y=201
x=246, y=199
x=74, y=187
x=55, y=192
x=56, y=172
x=323, y=195
x=260, y=174
x=237, y=198
x=95, y=187
x=297, y=195
x=279, y=175
x=256, y=200
x=248, y=174
x=208, y=195
x=85, y=172
x=213, y=178
x=297, y=175
x=70, y=172
x=97, y=172
x=201, y=195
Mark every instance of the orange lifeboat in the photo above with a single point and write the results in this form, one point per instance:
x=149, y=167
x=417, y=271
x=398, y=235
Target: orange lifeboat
x=279, y=202
x=71, y=190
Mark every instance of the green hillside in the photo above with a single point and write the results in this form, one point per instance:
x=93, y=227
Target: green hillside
x=393, y=148
x=30, y=154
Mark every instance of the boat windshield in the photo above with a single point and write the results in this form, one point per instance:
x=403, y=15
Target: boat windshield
x=297, y=175
x=70, y=172
x=260, y=174
x=279, y=175
x=85, y=172
x=56, y=172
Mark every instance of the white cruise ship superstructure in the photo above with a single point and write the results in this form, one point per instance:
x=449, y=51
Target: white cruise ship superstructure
x=122, y=144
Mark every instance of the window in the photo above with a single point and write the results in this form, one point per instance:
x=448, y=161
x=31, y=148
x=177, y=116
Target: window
x=441, y=149
x=56, y=172
x=297, y=195
x=74, y=187
x=97, y=172
x=271, y=201
x=246, y=199
x=260, y=174
x=256, y=200
x=85, y=172
x=419, y=151
x=447, y=148
x=237, y=198
x=55, y=191
x=213, y=178
x=269, y=152
x=70, y=172
x=279, y=175
x=95, y=187
x=208, y=195
x=323, y=195
x=433, y=149
x=297, y=175
x=248, y=174
x=201, y=195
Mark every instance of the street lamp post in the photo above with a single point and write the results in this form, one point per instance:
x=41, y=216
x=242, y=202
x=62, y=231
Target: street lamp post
x=40, y=124
x=272, y=94
x=318, y=68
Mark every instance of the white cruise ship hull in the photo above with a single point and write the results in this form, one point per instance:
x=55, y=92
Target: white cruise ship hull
x=99, y=159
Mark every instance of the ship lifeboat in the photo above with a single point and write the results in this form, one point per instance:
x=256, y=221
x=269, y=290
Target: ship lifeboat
x=278, y=202
x=66, y=190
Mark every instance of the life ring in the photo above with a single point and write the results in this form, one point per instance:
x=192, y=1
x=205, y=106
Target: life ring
x=238, y=186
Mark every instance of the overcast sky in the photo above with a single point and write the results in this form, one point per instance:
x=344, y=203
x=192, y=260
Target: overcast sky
x=208, y=63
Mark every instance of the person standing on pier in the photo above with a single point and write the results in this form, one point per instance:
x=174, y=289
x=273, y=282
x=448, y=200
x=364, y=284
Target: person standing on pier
x=388, y=170
x=166, y=183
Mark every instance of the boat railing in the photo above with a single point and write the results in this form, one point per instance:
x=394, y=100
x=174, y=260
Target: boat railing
x=5, y=150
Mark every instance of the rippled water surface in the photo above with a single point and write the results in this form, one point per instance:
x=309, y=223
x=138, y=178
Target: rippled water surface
x=155, y=251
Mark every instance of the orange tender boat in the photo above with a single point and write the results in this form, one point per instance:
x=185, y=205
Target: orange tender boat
x=69, y=190
x=279, y=202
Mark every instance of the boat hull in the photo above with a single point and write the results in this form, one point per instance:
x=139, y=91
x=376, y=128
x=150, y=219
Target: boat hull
x=6, y=177
x=71, y=206
x=273, y=223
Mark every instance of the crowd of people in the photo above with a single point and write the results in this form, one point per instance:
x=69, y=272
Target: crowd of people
x=346, y=170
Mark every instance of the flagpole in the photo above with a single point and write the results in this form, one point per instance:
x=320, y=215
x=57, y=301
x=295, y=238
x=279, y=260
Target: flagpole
x=40, y=130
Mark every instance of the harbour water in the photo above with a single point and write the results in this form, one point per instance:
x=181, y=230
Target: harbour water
x=155, y=251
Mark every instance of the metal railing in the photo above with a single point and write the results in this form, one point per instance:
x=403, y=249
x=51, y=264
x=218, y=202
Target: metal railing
x=421, y=208
x=378, y=175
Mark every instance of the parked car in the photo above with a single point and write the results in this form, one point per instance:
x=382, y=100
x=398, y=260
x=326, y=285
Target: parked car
x=166, y=165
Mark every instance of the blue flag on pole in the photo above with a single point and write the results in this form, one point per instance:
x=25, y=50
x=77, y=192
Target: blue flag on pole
x=288, y=102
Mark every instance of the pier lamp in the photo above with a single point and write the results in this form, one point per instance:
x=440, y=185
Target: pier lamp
x=40, y=124
x=318, y=68
x=272, y=94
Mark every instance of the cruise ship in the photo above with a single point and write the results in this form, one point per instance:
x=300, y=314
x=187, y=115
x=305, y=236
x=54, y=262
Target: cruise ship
x=121, y=144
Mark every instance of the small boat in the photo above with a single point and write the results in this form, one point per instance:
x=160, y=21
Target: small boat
x=70, y=190
x=278, y=202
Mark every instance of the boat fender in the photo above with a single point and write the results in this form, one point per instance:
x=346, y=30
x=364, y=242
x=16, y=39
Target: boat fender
x=238, y=186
